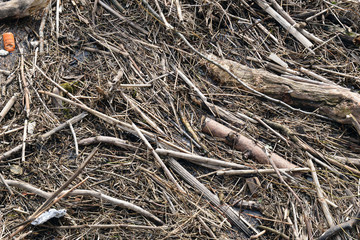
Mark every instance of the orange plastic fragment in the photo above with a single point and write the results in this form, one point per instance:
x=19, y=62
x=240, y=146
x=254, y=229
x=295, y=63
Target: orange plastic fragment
x=9, y=41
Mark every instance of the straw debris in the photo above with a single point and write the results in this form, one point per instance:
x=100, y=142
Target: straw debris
x=104, y=105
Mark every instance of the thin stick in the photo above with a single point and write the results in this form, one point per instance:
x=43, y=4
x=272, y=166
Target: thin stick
x=81, y=192
x=98, y=226
x=283, y=235
x=94, y=11
x=6, y=185
x=38, y=212
x=321, y=196
x=166, y=23
x=271, y=129
x=288, y=27
x=317, y=14
x=42, y=102
x=5, y=72
x=223, y=207
x=7, y=82
x=62, y=195
x=11, y=131
x=58, y=86
x=198, y=159
x=122, y=18
x=8, y=106
x=112, y=48
x=116, y=79
x=100, y=115
x=354, y=122
x=11, y=152
x=337, y=73
x=191, y=130
x=75, y=139
x=57, y=192
x=259, y=171
x=63, y=125
x=134, y=85
x=24, y=141
x=207, y=228
x=118, y=6
x=193, y=87
x=158, y=159
x=178, y=9
x=121, y=125
x=292, y=22
x=257, y=236
x=34, y=61
x=142, y=114
x=316, y=76
x=26, y=89
x=24, y=235
x=309, y=149
x=341, y=227
x=190, y=84
x=57, y=18
x=108, y=140
x=177, y=127
x=280, y=177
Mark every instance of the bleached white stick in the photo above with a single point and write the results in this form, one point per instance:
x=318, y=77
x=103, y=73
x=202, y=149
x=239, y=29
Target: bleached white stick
x=292, y=22
x=291, y=29
x=8, y=106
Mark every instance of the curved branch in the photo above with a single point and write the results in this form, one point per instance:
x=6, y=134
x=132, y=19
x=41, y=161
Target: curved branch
x=341, y=227
x=99, y=195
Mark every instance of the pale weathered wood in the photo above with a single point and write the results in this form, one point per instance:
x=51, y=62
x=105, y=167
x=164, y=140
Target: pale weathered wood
x=291, y=29
x=333, y=101
x=21, y=8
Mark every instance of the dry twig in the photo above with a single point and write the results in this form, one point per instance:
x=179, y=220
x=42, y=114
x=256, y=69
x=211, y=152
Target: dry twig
x=50, y=199
x=158, y=159
x=83, y=192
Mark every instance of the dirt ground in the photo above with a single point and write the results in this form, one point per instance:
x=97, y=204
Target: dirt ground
x=126, y=68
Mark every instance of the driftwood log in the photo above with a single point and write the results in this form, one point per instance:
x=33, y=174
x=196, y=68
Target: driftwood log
x=21, y=8
x=331, y=100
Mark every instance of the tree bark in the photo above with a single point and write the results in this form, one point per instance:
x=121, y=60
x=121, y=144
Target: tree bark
x=243, y=144
x=332, y=101
x=21, y=8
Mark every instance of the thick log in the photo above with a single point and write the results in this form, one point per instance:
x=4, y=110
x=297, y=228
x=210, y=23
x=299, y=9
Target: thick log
x=332, y=101
x=243, y=144
x=21, y=8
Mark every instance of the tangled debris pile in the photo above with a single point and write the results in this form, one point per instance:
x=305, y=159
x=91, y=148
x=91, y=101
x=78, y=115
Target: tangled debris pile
x=181, y=119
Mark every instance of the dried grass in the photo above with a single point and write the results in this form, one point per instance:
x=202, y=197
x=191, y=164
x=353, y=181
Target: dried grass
x=224, y=28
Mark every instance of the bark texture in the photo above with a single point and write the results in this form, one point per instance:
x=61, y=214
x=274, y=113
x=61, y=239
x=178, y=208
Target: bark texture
x=243, y=144
x=332, y=101
x=21, y=8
